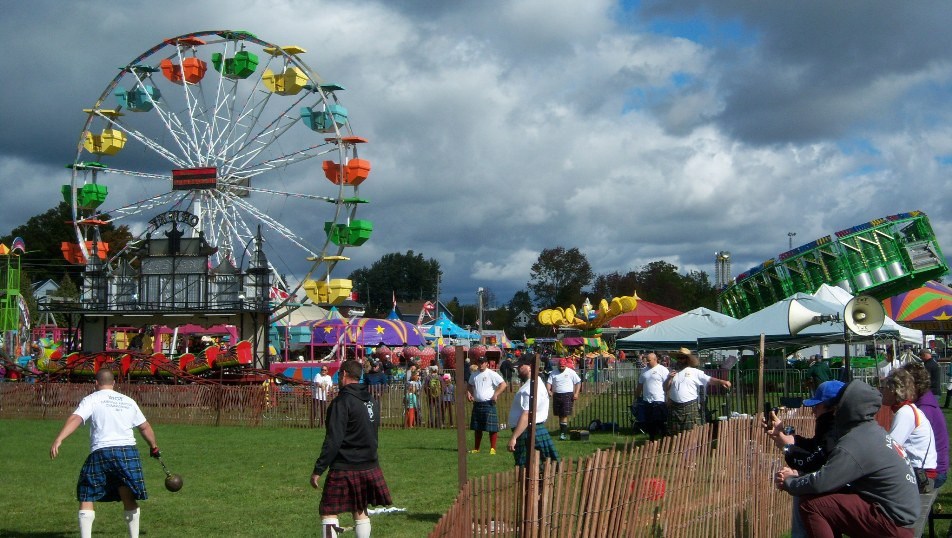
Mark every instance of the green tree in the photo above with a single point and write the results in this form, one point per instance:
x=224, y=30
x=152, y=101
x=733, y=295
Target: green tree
x=558, y=277
x=614, y=285
x=408, y=277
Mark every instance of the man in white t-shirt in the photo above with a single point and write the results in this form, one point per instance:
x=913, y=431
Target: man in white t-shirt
x=563, y=386
x=519, y=420
x=651, y=410
x=323, y=384
x=112, y=471
x=684, y=386
x=484, y=389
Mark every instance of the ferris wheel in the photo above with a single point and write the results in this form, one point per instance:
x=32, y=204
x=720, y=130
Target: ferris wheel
x=229, y=134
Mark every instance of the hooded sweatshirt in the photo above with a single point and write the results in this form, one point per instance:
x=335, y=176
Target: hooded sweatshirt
x=865, y=460
x=351, y=441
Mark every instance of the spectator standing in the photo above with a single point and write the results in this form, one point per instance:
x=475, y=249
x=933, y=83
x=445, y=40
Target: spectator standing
x=323, y=384
x=410, y=407
x=948, y=385
x=882, y=499
x=519, y=420
x=349, y=455
x=449, y=397
x=506, y=369
x=684, y=386
x=935, y=371
x=912, y=429
x=818, y=372
x=651, y=409
x=563, y=386
x=927, y=403
x=112, y=471
x=485, y=386
x=808, y=454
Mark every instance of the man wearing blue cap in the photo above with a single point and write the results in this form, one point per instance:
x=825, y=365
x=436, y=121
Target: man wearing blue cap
x=807, y=454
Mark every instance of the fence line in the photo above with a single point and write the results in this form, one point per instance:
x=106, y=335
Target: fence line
x=715, y=480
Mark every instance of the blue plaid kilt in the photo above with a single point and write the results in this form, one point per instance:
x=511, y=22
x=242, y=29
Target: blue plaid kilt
x=347, y=491
x=543, y=443
x=485, y=418
x=108, y=468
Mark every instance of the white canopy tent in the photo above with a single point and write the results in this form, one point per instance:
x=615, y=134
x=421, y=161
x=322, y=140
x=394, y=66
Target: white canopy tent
x=682, y=330
x=837, y=295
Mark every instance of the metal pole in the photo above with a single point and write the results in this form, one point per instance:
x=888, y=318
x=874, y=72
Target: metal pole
x=459, y=395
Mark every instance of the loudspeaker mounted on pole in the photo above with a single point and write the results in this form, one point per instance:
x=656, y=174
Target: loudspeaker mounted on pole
x=800, y=317
x=864, y=315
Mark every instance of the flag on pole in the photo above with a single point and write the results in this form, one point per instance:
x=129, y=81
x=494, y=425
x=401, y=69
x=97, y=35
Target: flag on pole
x=394, y=300
x=278, y=294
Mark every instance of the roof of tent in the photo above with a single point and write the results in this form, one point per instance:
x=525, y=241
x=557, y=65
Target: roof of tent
x=772, y=323
x=928, y=307
x=366, y=332
x=302, y=314
x=500, y=338
x=448, y=329
x=838, y=295
x=681, y=330
x=645, y=314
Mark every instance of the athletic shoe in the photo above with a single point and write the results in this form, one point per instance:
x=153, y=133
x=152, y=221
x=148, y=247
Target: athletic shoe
x=474, y=451
x=492, y=451
x=562, y=437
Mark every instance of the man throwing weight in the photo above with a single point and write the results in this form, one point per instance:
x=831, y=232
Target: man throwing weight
x=112, y=471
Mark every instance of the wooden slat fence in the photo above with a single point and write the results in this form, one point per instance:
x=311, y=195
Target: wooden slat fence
x=715, y=480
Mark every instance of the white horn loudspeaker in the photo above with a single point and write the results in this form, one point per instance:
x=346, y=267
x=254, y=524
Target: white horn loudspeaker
x=864, y=315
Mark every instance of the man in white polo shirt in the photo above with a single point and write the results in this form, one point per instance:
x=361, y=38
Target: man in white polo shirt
x=519, y=420
x=652, y=411
x=485, y=386
x=563, y=386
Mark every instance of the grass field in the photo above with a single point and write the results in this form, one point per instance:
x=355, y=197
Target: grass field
x=238, y=481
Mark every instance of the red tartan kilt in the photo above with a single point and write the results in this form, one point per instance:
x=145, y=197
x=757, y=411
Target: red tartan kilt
x=353, y=491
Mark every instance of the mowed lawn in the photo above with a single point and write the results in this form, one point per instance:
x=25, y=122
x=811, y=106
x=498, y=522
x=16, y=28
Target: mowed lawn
x=238, y=481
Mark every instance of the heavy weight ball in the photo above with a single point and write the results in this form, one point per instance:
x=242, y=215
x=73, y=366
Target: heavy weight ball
x=173, y=483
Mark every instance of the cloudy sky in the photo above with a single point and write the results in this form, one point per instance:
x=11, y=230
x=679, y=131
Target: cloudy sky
x=635, y=131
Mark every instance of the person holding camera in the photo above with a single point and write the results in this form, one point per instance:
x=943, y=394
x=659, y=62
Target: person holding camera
x=807, y=454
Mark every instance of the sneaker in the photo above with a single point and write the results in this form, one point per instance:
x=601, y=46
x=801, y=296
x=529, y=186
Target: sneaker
x=563, y=437
x=474, y=451
x=492, y=451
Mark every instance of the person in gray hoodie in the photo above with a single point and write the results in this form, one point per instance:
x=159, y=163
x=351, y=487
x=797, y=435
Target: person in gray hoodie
x=866, y=487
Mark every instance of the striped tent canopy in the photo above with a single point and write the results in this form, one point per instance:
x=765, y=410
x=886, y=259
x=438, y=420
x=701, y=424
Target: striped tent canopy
x=927, y=308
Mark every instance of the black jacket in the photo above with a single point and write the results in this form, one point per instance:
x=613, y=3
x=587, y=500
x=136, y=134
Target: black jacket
x=807, y=454
x=351, y=441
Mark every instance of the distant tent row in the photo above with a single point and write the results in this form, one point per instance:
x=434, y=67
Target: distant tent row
x=704, y=329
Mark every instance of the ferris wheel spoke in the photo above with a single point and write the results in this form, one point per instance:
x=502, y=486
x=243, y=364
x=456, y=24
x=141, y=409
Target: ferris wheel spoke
x=273, y=224
x=291, y=194
x=268, y=134
x=285, y=160
x=168, y=118
x=167, y=199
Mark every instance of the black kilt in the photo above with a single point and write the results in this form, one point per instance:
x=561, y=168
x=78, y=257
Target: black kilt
x=562, y=403
x=353, y=491
x=683, y=417
x=485, y=418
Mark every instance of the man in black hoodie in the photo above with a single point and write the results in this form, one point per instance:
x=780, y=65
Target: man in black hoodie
x=866, y=487
x=355, y=480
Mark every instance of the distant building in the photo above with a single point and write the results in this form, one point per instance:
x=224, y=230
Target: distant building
x=522, y=319
x=45, y=291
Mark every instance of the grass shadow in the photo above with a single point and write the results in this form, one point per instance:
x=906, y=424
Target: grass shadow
x=42, y=534
x=430, y=517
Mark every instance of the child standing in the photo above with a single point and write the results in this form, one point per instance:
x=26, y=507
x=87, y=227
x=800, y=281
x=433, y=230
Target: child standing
x=410, y=407
x=449, y=390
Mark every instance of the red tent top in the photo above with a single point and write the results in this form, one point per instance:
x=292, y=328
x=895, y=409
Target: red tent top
x=645, y=314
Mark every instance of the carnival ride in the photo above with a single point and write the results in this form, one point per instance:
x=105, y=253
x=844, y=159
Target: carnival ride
x=880, y=258
x=589, y=323
x=213, y=132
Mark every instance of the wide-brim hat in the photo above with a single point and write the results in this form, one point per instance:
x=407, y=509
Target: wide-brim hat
x=682, y=354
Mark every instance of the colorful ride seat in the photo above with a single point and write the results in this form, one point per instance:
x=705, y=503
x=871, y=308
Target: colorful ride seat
x=74, y=254
x=353, y=235
x=138, y=99
x=89, y=196
x=243, y=352
x=353, y=173
x=333, y=291
x=191, y=71
x=324, y=121
x=288, y=82
x=241, y=65
x=109, y=142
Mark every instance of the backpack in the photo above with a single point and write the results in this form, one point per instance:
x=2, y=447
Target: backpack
x=434, y=388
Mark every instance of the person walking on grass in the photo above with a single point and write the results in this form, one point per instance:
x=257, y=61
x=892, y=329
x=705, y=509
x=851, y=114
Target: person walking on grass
x=519, y=420
x=563, y=386
x=113, y=471
x=484, y=389
x=354, y=479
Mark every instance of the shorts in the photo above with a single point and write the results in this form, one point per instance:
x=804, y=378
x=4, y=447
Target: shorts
x=108, y=468
x=347, y=491
x=562, y=403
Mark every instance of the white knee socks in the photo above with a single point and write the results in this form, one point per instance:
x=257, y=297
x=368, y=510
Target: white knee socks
x=362, y=528
x=86, y=518
x=329, y=526
x=132, y=519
